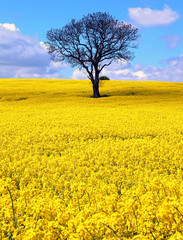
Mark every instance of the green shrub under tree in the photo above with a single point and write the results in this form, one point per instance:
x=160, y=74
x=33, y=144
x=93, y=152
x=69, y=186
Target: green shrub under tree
x=104, y=78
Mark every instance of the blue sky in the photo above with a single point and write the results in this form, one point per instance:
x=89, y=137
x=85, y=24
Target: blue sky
x=23, y=27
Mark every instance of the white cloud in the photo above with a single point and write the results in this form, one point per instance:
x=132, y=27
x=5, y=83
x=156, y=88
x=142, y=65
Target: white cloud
x=115, y=73
x=78, y=74
x=123, y=71
x=55, y=66
x=139, y=74
x=24, y=56
x=118, y=70
x=9, y=26
x=172, y=40
x=149, y=18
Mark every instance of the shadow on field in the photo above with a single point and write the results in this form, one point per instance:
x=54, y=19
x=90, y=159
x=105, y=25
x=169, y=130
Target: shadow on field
x=102, y=96
x=131, y=93
x=105, y=95
x=15, y=99
x=119, y=94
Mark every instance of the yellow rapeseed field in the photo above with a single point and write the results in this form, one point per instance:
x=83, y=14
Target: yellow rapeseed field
x=75, y=167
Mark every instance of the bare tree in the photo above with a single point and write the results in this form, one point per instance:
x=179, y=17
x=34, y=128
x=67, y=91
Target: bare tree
x=92, y=43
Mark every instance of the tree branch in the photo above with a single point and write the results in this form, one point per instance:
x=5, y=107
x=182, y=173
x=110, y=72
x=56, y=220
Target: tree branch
x=105, y=65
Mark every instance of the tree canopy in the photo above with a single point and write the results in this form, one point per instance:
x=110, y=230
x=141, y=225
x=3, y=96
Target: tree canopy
x=92, y=43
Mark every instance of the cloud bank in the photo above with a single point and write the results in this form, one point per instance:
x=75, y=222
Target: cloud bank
x=150, y=18
x=172, y=71
x=24, y=56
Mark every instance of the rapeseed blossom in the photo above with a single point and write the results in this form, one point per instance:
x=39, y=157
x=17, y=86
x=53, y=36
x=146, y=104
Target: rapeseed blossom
x=74, y=167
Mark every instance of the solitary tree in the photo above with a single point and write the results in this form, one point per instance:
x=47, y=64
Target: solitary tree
x=92, y=43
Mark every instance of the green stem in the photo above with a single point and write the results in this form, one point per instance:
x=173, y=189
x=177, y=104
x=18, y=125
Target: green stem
x=13, y=209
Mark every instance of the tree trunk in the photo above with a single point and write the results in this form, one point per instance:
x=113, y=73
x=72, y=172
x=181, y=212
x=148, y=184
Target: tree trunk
x=96, y=93
x=95, y=82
